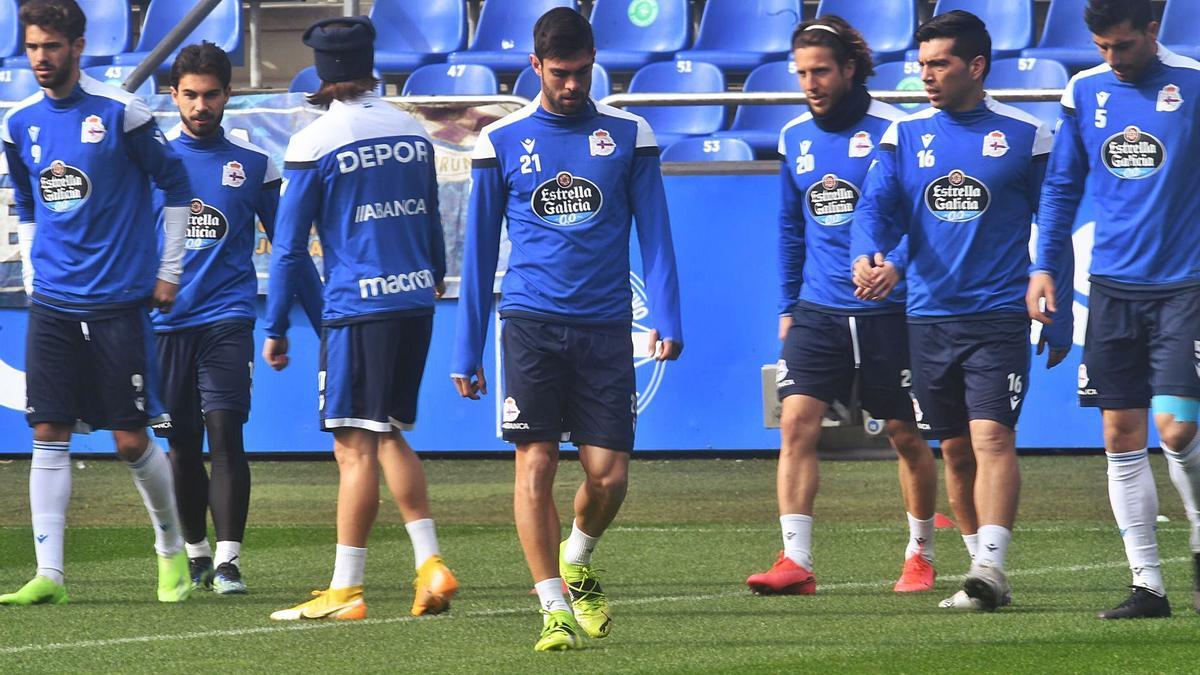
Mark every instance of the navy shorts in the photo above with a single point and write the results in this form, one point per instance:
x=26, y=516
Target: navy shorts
x=1138, y=348
x=968, y=370
x=826, y=355
x=371, y=373
x=96, y=373
x=568, y=382
x=206, y=368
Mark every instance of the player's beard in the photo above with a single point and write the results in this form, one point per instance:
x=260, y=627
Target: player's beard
x=197, y=132
x=57, y=78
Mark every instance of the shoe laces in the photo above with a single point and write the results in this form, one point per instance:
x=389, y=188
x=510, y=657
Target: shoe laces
x=556, y=624
x=587, y=591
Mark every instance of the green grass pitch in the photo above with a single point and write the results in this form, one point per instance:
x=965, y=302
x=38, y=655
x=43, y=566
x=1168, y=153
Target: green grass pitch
x=674, y=565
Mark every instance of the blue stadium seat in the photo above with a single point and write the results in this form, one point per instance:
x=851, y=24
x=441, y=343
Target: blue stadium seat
x=529, y=85
x=504, y=35
x=1065, y=37
x=223, y=27
x=899, y=76
x=632, y=33
x=412, y=34
x=1030, y=73
x=708, y=150
x=674, y=123
x=451, y=79
x=739, y=35
x=759, y=125
x=12, y=42
x=116, y=76
x=1180, y=30
x=17, y=83
x=1009, y=22
x=307, y=82
x=888, y=25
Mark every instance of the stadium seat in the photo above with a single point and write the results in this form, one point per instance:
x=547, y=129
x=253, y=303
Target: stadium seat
x=108, y=33
x=674, y=123
x=529, y=85
x=1180, y=30
x=11, y=40
x=887, y=25
x=413, y=34
x=739, y=35
x=306, y=81
x=116, y=76
x=708, y=150
x=1065, y=37
x=17, y=83
x=899, y=76
x=1009, y=22
x=222, y=27
x=630, y=34
x=504, y=35
x=1030, y=73
x=759, y=125
x=451, y=79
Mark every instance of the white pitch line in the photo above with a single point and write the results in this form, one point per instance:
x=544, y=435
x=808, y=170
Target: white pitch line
x=486, y=613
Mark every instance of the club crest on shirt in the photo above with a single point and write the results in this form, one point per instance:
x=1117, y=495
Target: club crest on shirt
x=92, y=130
x=601, y=144
x=233, y=174
x=995, y=144
x=1169, y=99
x=861, y=145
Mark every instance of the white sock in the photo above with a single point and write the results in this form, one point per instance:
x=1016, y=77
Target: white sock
x=49, y=494
x=580, y=545
x=229, y=552
x=993, y=544
x=198, y=550
x=424, y=540
x=152, y=476
x=797, y=538
x=920, y=538
x=971, y=541
x=550, y=594
x=1184, y=467
x=348, y=566
x=1134, y=502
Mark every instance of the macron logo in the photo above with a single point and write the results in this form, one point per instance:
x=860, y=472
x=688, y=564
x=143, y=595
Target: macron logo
x=41, y=538
x=395, y=283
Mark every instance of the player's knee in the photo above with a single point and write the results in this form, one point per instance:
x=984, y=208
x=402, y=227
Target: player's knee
x=958, y=455
x=611, y=483
x=52, y=432
x=796, y=422
x=906, y=439
x=131, y=447
x=1177, y=435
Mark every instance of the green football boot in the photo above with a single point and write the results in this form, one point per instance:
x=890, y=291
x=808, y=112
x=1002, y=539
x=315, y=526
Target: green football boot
x=560, y=632
x=38, y=591
x=174, y=578
x=588, y=601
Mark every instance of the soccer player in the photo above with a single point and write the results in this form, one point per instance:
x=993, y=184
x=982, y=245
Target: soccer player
x=82, y=156
x=568, y=174
x=1130, y=128
x=961, y=180
x=205, y=345
x=365, y=173
x=832, y=339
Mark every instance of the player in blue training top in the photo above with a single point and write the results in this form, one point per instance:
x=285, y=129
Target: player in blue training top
x=364, y=172
x=1130, y=130
x=834, y=341
x=205, y=345
x=82, y=156
x=568, y=174
x=961, y=179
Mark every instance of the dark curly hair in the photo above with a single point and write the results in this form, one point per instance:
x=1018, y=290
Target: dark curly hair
x=61, y=16
x=846, y=43
x=1101, y=15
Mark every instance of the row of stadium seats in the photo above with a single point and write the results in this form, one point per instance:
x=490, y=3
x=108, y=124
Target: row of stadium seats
x=17, y=83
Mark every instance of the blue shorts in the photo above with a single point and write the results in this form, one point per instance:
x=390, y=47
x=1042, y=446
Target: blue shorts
x=371, y=373
x=967, y=370
x=1138, y=348
x=206, y=368
x=826, y=355
x=95, y=373
x=568, y=382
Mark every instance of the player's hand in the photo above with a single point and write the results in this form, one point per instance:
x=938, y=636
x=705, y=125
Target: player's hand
x=863, y=275
x=164, y=295
x=886, y=278
x=785, y=324
x=471, y=387
x=275, y=352
x=1041, y=287
x=664, y=350
x=1055, y=356
x=439, y=290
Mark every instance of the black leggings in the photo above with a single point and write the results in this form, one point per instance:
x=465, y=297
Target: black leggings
x=227, y=493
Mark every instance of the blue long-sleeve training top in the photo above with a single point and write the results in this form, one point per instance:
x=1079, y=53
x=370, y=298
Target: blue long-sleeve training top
x=822, y=176
x=233, y=183
x=568, y=187
x=1135, y=144
x=82, y=168
x=964, y=187
x=365, y=173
